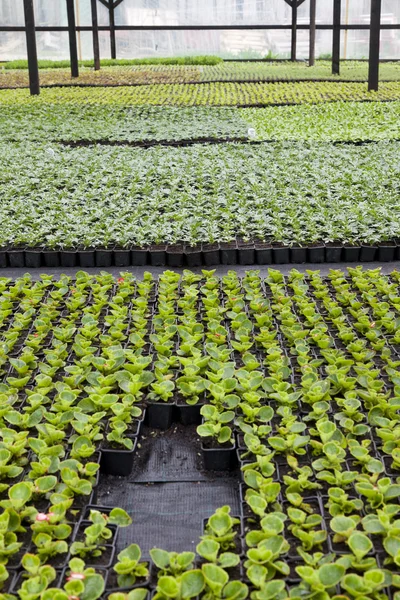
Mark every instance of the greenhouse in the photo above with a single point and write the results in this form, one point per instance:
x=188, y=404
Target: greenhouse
x=200, y=300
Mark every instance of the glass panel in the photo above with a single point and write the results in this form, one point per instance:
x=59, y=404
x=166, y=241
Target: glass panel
x=236, y=43
x=12, y=13
x=228, y=44
x=390, y=11
x=206, y=12
x=356, y=11
x=323, y=44
x=324, y=12
x=83, y=13
x=48, y=14
x=52, y=45
x=12, y=46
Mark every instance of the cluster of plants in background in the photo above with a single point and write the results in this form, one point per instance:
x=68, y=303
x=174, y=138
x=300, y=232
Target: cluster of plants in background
x=339, y=121
x=309, y=372
x=213, y=94
x=187, y=70
x=283, y=192
x=118, y=62
x=74, y=122
x=300, y=374
x=61, y=404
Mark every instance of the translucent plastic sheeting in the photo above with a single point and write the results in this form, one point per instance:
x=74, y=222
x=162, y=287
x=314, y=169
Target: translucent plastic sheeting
x=225, y=43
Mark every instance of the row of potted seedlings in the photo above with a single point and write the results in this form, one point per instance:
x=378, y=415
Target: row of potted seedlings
x=207, y=254
x=333, y=428
x=288, y=368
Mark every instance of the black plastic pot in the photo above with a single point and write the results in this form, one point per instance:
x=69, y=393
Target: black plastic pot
x=193, y=256
x=368, y=253
x=3, y=258
x=351, y=253
x=117, y=462
x=263, y=254
x=51, y=258
x=246, y=254
x=333, y=253
x=189, y=414
x=16, y=258
x=175, y=256
x=281, y=255
x=33, y=259
x=158, y=256
x=219, y=459
x=68, y=258
x=104, y=257
x=159, y=415
x=122, y=258
x=298, y=255
x=210, y=254
x=139, y=257
x=228, y=253
x=386, y=252
x=87, y=258
x=316, y=254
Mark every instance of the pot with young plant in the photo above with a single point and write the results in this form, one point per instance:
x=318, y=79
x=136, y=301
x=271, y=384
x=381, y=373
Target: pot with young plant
x=78, y=571
x=35, y=578
x=96, y=536
x=81, y=584
x=191, y=388
x=218, y=445
x=220, y=587
x=118, y=450
x=160, y=404
x=128, y=572
x=224, y=529
x=210, y=551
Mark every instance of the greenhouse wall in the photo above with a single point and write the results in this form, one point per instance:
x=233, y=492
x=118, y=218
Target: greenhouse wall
x=225, y=43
